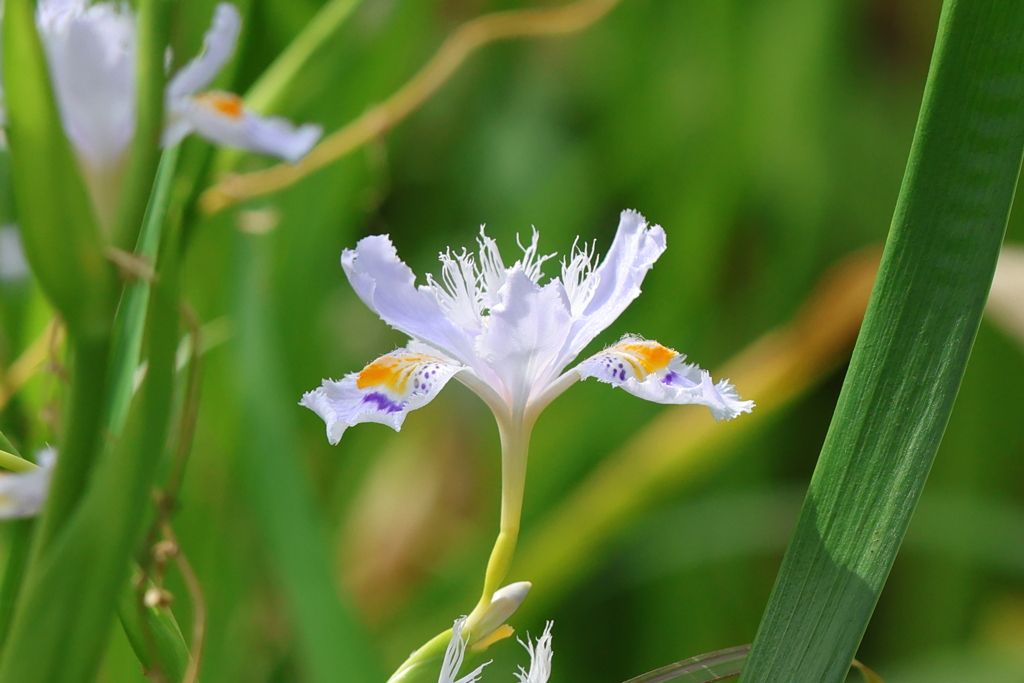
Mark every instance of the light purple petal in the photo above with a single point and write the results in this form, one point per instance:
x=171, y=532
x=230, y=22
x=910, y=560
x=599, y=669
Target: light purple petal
x=218, y=46
x=616, y=282
x=384, y=392
x=655, y=373
x=91, y=55
x=222, y=119
x=388, y=287
x=524, y=334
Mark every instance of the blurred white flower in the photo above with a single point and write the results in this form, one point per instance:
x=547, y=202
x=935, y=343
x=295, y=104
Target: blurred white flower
x=13, y=266
x=508, y=337
x=454, y=655
x=91, y=50
x=221, y=117
x=22, y=494
x=1006, y=298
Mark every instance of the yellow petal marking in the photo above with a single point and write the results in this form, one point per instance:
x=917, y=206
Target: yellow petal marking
x=645, y=357
x=225, y=103
x=393, y=371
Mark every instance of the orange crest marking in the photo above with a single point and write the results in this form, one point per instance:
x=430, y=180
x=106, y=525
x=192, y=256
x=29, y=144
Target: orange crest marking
x=392, y=371
x=645, y=356
x=225, y=103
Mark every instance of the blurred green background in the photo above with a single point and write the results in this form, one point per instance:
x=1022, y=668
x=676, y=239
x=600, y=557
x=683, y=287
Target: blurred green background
x=768, y=137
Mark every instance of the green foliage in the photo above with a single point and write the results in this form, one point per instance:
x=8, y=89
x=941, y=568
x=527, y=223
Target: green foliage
x=912, y=350
x=62, y=237
x=767, y=137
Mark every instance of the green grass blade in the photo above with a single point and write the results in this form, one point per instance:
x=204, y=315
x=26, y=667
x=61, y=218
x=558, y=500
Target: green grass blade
x=267, y=93
x=63, y=616
x=131, y=315
x=164, y=636
x=912, y=350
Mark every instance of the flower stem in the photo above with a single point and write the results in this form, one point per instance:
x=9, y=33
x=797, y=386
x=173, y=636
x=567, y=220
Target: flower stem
x=515, y=445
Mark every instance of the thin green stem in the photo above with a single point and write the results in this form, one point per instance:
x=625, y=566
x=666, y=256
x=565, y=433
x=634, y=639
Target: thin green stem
x=515, y=445
x=266, y=93
x=131, y=315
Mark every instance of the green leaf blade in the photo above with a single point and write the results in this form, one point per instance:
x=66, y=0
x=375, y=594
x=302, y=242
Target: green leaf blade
x=912, y=350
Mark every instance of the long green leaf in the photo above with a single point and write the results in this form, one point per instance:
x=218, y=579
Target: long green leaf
x=912, y=350
x=63, y=616
x=131, y=314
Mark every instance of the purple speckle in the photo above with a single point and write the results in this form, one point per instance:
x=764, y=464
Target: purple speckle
x=675, y=379
x=622, y=375
x=382, y=402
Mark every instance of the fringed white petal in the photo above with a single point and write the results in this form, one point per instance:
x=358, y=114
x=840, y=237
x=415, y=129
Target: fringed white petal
x=222, y=119
x=656, y=373
x=602, y=295
x=91, y=54
x=540, y=658
x=384, y=392
x=388, y=287
x=23, y=494
x=218, y=46
x=453, y=656
x=524, y=333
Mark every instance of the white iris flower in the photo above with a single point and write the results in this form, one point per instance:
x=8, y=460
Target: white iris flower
x=91, y=50
x=509, y=336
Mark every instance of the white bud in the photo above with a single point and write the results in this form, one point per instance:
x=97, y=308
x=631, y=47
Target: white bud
x=503, y=605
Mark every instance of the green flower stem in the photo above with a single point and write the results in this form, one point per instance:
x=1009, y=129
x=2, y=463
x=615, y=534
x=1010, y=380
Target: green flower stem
x=423, y=663
x=912, y=351
x=63, y=616
x=267, y=93
x=131, y=315
x=19, y=543
x=515, y=446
